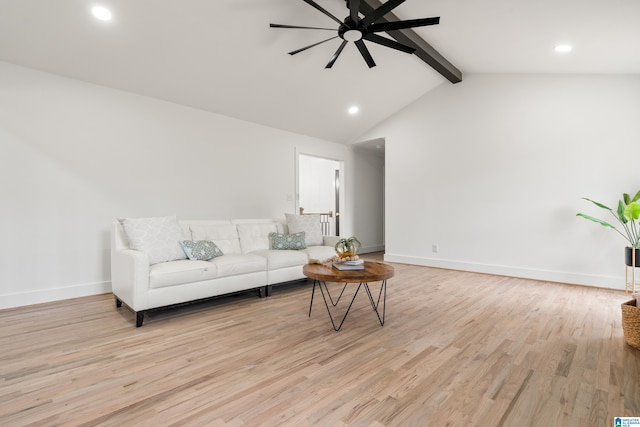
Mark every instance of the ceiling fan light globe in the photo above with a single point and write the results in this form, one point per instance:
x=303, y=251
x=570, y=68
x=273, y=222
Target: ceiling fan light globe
x=352, y=35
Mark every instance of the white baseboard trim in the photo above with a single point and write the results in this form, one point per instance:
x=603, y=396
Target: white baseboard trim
x=40, y=296
x=608, y=282
x=370, y=249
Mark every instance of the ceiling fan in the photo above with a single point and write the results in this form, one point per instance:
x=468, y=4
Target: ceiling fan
x=356, y=29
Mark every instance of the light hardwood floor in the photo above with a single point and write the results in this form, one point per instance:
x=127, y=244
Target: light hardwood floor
x=457, y=349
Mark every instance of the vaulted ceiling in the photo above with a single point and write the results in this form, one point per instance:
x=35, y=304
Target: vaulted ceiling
x=221, y=55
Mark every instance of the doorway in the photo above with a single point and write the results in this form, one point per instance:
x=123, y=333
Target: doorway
x=319, y=192
x=368, y=198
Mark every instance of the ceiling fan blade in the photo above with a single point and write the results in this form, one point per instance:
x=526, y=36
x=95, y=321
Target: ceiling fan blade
x=335, y=55
x=389, y=43
x=365, y=53
x=301, y=28
x=381, y=11
x=312, y=45
x=399, y=25
x=318, y=7
x=354, y=8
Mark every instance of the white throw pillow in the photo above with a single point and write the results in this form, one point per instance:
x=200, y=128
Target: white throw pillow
x=158, y=237
x=310, y=224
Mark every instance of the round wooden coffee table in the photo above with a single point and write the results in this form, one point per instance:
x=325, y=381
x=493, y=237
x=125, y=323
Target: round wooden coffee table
x=373, y=272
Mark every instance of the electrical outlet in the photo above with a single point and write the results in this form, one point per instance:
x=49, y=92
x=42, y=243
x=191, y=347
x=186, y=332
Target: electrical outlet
x=434, y=249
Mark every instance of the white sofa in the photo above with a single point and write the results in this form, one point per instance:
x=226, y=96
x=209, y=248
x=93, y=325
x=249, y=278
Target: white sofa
x=248, y=262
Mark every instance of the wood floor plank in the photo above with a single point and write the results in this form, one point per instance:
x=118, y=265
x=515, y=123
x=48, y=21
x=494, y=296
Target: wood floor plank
x=457, y=348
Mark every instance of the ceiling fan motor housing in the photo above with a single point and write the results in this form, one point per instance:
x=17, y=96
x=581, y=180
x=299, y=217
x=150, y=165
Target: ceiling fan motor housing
x=350, y=27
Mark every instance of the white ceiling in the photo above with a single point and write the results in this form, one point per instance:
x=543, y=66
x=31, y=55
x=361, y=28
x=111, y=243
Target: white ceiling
x=221, y=55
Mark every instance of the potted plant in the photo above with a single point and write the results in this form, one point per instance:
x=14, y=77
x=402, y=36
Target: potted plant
x=627, y=214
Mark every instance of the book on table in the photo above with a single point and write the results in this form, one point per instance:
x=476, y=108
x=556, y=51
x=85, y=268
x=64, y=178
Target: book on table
x=349, y=265
x=354, y=262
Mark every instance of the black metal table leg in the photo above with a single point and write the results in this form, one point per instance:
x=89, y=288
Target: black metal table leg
x=374, y=304
x=327, y=304
x=328, y=293
x=312, y=294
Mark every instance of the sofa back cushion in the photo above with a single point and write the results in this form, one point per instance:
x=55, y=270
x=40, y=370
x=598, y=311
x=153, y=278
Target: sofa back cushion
x=222, y=233
x=282, y=227
x=255, y=236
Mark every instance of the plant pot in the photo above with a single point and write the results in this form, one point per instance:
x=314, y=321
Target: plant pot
x=631, y=323
x=627, y=256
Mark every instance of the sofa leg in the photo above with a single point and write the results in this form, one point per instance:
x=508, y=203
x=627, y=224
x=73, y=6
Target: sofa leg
x=262, y=291
x=268, y=290
x=139, y=318
x=118, y=303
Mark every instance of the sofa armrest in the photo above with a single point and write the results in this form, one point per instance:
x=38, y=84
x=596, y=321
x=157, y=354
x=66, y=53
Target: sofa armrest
x=330, y=240
x=129, y=272
x=130, y=277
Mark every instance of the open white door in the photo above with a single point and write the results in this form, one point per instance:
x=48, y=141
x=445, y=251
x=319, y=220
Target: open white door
x=319, y=189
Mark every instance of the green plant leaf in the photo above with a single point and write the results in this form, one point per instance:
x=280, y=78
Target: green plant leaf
x=632, y=211
x=599, y=221
x=621, y=216
x=626, y=198
x=636, y=197
x=600, y=205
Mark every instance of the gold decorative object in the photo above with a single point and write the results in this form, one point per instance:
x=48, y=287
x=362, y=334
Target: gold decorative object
x=348, y=247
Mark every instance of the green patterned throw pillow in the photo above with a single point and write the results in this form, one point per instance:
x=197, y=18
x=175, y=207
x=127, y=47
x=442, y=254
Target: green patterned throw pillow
x=287, y=241
x=203, y=250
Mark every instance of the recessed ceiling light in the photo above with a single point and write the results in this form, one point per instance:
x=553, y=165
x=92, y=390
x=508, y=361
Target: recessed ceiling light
x=353, y=110
x=563, y=48
x=102, y=13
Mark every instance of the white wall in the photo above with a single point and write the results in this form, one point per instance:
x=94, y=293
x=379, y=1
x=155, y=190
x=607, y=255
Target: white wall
x=492, y=171
x=74, y=156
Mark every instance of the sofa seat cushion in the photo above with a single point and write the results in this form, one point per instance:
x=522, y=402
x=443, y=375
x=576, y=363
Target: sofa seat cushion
x=179, y=272
x=321, y=253
x=283, y=258
x=235, y=264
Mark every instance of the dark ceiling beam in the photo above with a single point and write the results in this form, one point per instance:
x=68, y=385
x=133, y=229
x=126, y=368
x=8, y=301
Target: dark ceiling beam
x=424, y=50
